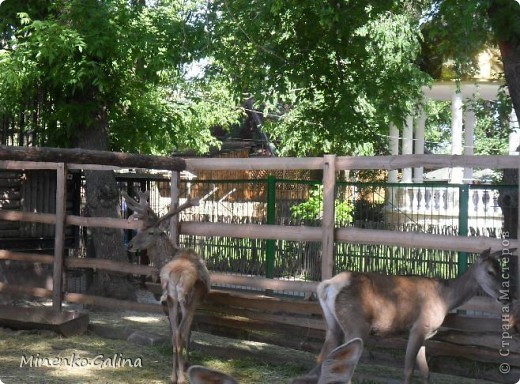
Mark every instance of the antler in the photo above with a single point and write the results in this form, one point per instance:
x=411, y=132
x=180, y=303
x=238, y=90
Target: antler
x=190, y=202
x=141, y=208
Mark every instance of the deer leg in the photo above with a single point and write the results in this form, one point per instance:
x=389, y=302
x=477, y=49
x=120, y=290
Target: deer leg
x=183, y=333
x=422, y=364
x=415, y=344
x=173, y=317
x=188, y=313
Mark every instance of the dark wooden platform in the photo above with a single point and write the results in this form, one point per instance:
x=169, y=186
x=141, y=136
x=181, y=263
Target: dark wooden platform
x=67, y=323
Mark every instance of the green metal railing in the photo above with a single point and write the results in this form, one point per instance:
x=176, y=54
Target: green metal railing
x=406, y=207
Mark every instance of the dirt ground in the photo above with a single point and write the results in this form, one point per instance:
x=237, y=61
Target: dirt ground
x=133, y=347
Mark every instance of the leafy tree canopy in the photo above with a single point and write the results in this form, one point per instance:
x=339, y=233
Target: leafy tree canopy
x=336, y=72
x=71, y=57
x=330, y=76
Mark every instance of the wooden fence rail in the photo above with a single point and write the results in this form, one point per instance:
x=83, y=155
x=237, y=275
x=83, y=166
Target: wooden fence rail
x=238, y=311
x=327, y=234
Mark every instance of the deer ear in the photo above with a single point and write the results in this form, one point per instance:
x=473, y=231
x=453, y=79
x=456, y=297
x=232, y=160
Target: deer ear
x=485, y=254
x=339, y=366
x=202, y=375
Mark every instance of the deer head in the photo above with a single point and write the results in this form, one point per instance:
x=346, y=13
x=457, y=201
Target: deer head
x=488, y=273
x=151, y=229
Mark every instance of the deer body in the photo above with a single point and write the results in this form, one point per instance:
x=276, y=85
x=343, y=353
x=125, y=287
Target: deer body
x=185, y=283
x=356, y=305
x=185, y=280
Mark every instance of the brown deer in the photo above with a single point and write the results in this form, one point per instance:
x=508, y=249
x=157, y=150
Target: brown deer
x=356, y=305
x=337, y=368
x=184, y=277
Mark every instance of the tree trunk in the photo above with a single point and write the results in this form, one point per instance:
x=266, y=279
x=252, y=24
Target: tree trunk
x=102, y=200
x=504, y=14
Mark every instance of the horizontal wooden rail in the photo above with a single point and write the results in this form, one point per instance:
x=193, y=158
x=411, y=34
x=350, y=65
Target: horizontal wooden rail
x=80, y=298
x=251, y=301
x=347, y=235
x=421, y=240
x=263, y=283
x=50, y=218
x=84, y=156
x=281, y=232
x=276, y=163
x=16, y=165
x=356, y=162
x=76, y=262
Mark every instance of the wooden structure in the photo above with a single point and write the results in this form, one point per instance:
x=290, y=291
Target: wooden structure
x=247, y=313
x=34, y=191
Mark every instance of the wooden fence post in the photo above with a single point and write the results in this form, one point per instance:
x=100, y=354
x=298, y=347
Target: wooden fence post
x=174, y=193
x=271, y=220
x=462, y=262
x=517, y=261
x=59, y=235
x=329, y=196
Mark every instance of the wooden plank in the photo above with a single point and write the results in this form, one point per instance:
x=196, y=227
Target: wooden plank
x=355, y=162
x=255, y=231
x=111, y=266
x=84, y=156
x=249, y=325
x=249, y=164
x=23, y=290
x=427, y=161
x=174, y=194
x=472, y=324
x=263, y=283
x=27, y=257
x=10, y=164
x=436, y=348
x=45, y=218
x=49, y=218
x=107, y=222
x=329, y=197
x=419, y=240
x=80, y=298
x=114, y=304
x=285, y=319
x=264, y=303
x=477, y=339
x=59, y=239
x=345, y=235
x=72, y=262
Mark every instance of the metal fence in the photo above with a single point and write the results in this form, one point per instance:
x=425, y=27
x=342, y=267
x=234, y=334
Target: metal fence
x=458, y=210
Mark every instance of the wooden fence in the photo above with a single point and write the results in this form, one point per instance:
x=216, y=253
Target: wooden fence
x=255, y=311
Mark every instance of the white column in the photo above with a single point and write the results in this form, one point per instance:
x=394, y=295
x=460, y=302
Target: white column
x=394, y=151
x=407, y=147
x=514, y=136
x=469, y=141
x=456, y=135
x=419, y=145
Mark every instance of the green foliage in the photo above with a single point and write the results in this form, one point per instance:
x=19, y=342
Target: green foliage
x=312, y=209
x=330, y=76
x=457, y=31
x=81, y=57
x=491, y=135
x=335, y=72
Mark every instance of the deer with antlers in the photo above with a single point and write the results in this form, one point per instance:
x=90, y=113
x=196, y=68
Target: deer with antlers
x=184, y=277
x=356, y=305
